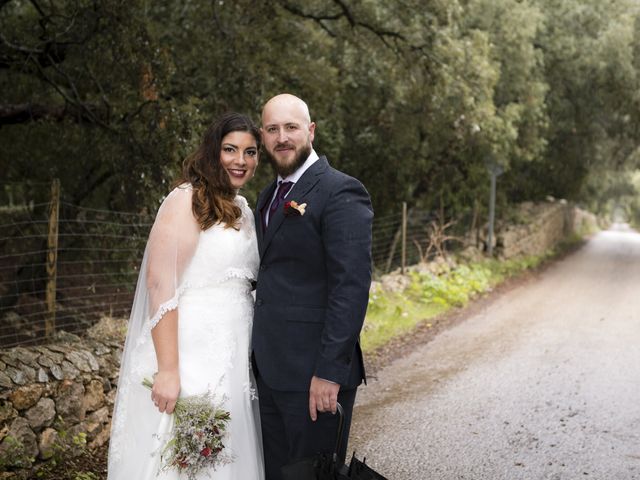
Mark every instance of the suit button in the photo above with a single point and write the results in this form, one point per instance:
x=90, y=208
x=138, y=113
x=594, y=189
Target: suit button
x=263, y=267
x=259, y=302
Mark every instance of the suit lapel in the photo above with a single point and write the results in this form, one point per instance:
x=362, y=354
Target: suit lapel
x=299, y=190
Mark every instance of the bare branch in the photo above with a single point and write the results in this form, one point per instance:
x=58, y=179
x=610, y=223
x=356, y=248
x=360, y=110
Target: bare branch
x=381, y=33
x=28, y=112
x=37, y=7
x=311, y=16
x=346, y=12
x=319, y=19
x=326, y=28
x=48, y=54
x=384, y=35
x=87, y=113
x=20, y=48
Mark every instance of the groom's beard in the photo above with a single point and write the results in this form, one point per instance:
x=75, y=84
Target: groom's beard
x=285, y=170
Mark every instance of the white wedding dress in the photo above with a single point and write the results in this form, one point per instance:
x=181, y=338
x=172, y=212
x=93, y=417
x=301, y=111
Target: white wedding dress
x=207, y=276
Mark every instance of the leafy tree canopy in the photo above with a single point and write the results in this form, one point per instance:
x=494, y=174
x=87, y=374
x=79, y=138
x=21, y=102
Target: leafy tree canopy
x=414, y=97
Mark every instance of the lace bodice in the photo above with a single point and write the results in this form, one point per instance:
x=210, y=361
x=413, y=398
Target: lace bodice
x=224, y=253
x=219, y=254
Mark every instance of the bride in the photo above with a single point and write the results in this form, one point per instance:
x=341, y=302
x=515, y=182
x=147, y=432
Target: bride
x=190, y=323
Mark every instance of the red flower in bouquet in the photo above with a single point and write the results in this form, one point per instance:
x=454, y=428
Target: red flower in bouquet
x=205, y=452
x=197, y=439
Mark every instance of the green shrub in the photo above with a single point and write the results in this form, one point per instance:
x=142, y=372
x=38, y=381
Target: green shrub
x=428, y=295
x=13, y=454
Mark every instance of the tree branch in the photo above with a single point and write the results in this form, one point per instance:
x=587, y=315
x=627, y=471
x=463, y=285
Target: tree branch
x=29, y=112
x=321, y=19
x=50, y=53
x=311, y=16
x=37, y=7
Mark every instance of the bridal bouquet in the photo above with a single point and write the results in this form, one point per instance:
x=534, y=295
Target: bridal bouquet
x=197, y=438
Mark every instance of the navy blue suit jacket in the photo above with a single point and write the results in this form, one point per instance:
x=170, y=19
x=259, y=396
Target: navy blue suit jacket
x=313, y=284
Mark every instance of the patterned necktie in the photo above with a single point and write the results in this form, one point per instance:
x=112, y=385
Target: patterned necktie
x=283, y=189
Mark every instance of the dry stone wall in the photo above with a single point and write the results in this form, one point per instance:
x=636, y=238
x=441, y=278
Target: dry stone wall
x=534, y=229
x=540, y=227
x=54, y=394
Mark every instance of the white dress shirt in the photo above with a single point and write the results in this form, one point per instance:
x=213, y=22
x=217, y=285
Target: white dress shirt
x=294, y=177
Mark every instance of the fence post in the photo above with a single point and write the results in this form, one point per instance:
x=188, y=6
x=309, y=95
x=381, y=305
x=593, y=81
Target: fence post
x=52, y=259
x=492, y=214
x=404, y=237
x=495, y=170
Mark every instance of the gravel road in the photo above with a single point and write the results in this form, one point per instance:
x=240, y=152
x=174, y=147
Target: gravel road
x=543, y=383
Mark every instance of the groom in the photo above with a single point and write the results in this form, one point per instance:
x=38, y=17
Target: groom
x=314, y=236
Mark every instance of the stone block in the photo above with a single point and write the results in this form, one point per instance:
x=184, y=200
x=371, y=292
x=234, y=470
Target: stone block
x=50, y=359
x=70, y=401
x=99, y=416
x=25, y=356
x=16, y=375
x=70, y=372
x=49, y=439
x=79, y=361
x=42, y=376
x=5, y=380
x=102, y=437
x=29, y=373
x=59, y=348
x=93, y=362
x=94, y=395
x=19, y=446
x=56, y=371
x=7, y=412
x=42, y=414
x=101, y=349
x=10, y=358
x=26, y=396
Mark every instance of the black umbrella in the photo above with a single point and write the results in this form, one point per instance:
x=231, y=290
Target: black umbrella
x=361, y=471
x=328, y=466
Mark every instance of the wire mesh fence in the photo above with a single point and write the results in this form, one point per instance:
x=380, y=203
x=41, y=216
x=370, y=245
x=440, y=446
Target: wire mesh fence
x=97, y=257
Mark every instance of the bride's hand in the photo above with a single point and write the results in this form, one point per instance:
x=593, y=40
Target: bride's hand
x=165, y=391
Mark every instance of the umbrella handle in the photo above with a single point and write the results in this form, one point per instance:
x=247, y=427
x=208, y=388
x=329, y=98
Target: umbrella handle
x=340, y=413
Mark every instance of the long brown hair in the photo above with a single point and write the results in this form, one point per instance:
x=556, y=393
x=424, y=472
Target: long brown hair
x=213, y=193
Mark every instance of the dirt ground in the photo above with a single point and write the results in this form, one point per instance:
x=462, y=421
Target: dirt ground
x=538, y=381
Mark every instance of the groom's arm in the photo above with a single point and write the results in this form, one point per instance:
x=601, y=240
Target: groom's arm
x=346, y=234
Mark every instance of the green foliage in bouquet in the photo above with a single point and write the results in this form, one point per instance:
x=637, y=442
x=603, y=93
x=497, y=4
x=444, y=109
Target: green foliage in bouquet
x=197, y=439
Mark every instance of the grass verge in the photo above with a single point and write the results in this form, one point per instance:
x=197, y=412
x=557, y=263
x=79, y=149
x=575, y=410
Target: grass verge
x=430, y=295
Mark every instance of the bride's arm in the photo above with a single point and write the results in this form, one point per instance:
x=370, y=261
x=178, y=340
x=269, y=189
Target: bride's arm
x=166, y=383
x=172, y=242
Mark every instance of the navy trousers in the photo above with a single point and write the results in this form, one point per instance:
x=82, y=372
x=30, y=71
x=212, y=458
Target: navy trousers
x=288, y=434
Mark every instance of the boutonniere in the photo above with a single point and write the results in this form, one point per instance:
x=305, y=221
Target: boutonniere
x=294, y=208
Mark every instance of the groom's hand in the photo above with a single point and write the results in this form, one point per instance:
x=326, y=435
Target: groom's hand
x=323, y=397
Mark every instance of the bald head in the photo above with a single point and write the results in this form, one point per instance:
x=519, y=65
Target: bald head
x=286, y=104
